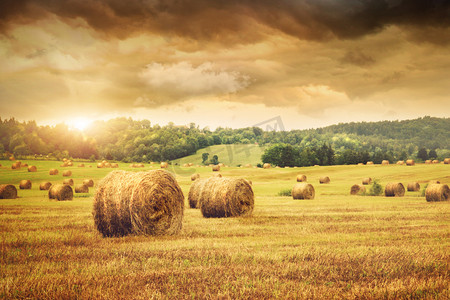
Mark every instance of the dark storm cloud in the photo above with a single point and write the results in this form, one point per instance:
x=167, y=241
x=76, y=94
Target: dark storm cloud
x=218, y=19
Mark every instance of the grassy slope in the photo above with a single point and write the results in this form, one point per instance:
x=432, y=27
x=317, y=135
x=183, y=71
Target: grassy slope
x=336, y=246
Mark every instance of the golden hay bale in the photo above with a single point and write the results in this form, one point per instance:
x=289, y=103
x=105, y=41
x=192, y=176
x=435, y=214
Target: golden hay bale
x=434, y=182
x=301, y=178
x=394, y=189
x=190, y=164
x=385, y=162
x=114, y=165
x=410, y=162
x=11, y=158
x=68, y=181
x=53, y=172
x=195, y=176
x=437, y=192
x=104, y=161
x=100, y=165
x=32, y=169
x=25, y=184
x=194, y=193
x=64, y=165
x=164, y=165
x=24, y=165
x=81, y=188
x=88, y=182
x=8, y=191
x=367, y=181
x=81, y=166
x=15, y=166
x=64, y=159
x=401, y=162
x=216, y=168
x=428, y=162
x=216, y=175
x=248, y=165
x=266, y=166
x=45, y=185
x=447, y=161
x=435, y=161
x=324, y=179
x=185, y=165
x=225, y=197
x=360, y=164
x=60, y=192
x=221, y=165
x=413, y=186
x=357, y=189
x=70, y=164
x=249, y=181
x=67, y=173
x=141, y=203
x=303, y=190
x=107, y=165
x=369, y=163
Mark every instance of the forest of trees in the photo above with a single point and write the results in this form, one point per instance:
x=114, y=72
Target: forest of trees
x=125, y=139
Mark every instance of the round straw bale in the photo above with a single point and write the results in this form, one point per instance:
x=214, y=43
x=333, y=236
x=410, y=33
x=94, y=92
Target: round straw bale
x=60, y=192
x=360, y=164
x=385, y=162
x=107, y=165
x=303, y=190
x=357, y=189
x=410, y=162
x=221, y=165
x=114, y=165
x=81, y=188
x=88, y=182
x=190, y=164
x=164, y=165
x=45, y=185
x=226, y=197
x=266, y=166
x=369, y=163
x=15, y=166
x=394, y=189
x=104, y=161
x=367, y=181
x=437, y=192
x=413, y=186
x=301, y=178
x=100, y=165
x=435, y=161
x=25, y=184
x=216, y=175
x=428, y=162
x=53, y=172
x=249, y=181
x=324, y=179
x=434, y=182
x=195, y=176
x=70, y=164
x=67, y=173
x=64, y=159
x=401, y=162
x=32, y=169
x=194, y=193
x=447, y=161
x=8, y=191
x=185, y=165
x=248, y=165
x=68, y=181
x=216, y=168
x=65, y=164
x=24, y=165
x=81, y=166
x=150, y=203
x=11, y=158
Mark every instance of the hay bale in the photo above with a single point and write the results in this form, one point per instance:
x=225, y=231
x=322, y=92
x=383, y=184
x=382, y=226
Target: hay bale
x=435, y=161
x=367, y=181
x=164, y=165
x=114, y=165
x=410, y=162
x=81, y=166
x=53, y=172
x=437, y=192
x=11, y=158
x=248, y=165
x=150, y=203
x=194, y=193
x=360, y=164
x=385, y=162
x=266, y=166
x=303, y=190
x=195, y=176
x=64, y=159
x=60, y=192
x=25, y=184
x=357, y=189
x=221, y=165
x=88, y=182
x=8, y=191
x=249, y=181
x=24, y=165
x=107, y=165
x=63, y=165
x=67, y=173
x=369, y=163
x=225, y=197
x=413, y=186
x=324, y=179
x=301, y=178
x=401, y=162
x=70, y=164
x=45, y=185
x=216, y=168
x=81, y=188
x=428, y=162
x=100, y=165
x=190, y=164
x=447, y=161
x=434, y=182
x=394, y=189
x=16, y=166
x=68, y=181
x=32, y=169
x=216, y=175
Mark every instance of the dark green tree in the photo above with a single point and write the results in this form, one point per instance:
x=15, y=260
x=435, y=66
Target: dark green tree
x=422, y=154
x=205, y=157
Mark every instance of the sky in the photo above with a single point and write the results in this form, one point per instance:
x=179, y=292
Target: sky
x=233, y=63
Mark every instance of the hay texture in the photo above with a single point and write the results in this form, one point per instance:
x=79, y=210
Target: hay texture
x=195, y=176
x=369, y=163
x=88, y=182
x=428, y=162
x=67, y=173
x=216, y=175
x=435, y=161
x=149, y=203
x=437, y=192
x=70, y=164
x=195, y=192
x=367, y=181
x=357, y=189
x=81, y=188
x=394, y=189
x=447, y=161
x=303, y=190
x=301, y=178
x=114, y=165
x=225, y=197
x=32, y=169
x=401, y=162
x=434, y=182
x=324, y=179
x=25, y=184
x=81, y=166
x=53, y=172
x=100, y=165
x=385, y=162
x=216, y=168
x=164, y=165
x=8, y=191
x=44, y=186
x=413, y=187
x=60, y=192
x=248, y=165
x=68, y=181
x=266, y=166
x=410, y=162
x=16, y=165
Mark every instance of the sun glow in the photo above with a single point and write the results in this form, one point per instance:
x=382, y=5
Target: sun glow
x=80, y=123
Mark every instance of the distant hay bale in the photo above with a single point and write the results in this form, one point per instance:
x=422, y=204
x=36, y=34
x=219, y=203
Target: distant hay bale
x=225, y=197
x=266, y=166
x=81, y=166
x=324, y=179
x=357, y=189
x=413, y=186
x=53, y=172
x=301, y=178
x=164, y=165
x=104, y=161
x=303, y=190
x=114, y=165
x=63, y=165
x=248, y=165
x=25, y=184
x=8, y=191
x=45, y=185
x=100, y=165
x=190, y=164
x=428, y=162
x=216, y=175
x=149, y=203
x=81, y=188
x=385, y=162
x=11, y=158
x=16, y=166
x=185, y=165
x=367, y=181
x=410, y=162
x=447, y=161
x=60, y=192
x=437, y=192
x=107, y=165
x=401, y=162
x=360, y=164
x=70, y=164
x=68, y=181
x=216, y=168
x=221, y=165
x=64, y=159
x=24, y=165
x=67, y=173
x=88, y=182
x=32, y=169
x=195, y=176
x=434, y=182
x=394, y=189
x=369, y=163
x=435, y=161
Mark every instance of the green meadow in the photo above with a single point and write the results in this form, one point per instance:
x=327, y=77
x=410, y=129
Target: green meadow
x=336, y=246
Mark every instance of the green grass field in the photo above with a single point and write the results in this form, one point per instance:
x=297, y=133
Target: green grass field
x=333, y=247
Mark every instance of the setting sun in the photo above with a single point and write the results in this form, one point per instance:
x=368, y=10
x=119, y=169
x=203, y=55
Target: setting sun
x=79, y=123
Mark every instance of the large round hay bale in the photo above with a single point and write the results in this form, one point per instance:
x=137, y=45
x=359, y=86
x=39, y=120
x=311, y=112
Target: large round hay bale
x=8, y=191
x=303, y=190
x=190, y=164
x=25, y=184
x=100, y=165
x=63, y=165
x=68, y=181
x=64, y=159
x=70, y=164
x=385, y=162
x=357, y=189
x=360, y=164
x=226, y=197
x=81, y=166
x=301, y=178
x=248, y=165
x=114, y=165
x=447, y=161
x=394, y=189
x=81, y=188
x=16, y=166
x=11, y=158
x=410, y=162
x=369, y=163
x=45, y=185
x=164, y=165
x=428, y=161
x=32, y=169
x=437, y=192
x=401, y=162
x=367, y=181
x=60, y=192
x=266, y=166
x=67, y=173
x=435, y=161
x=216, y=168
x=88, y=182
x=141, y=203
x=413, y=186
x=194, y=193
x=107, y=165
x=195, y=176
x=324, y=179
x=53, y=172
x=24, y=165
